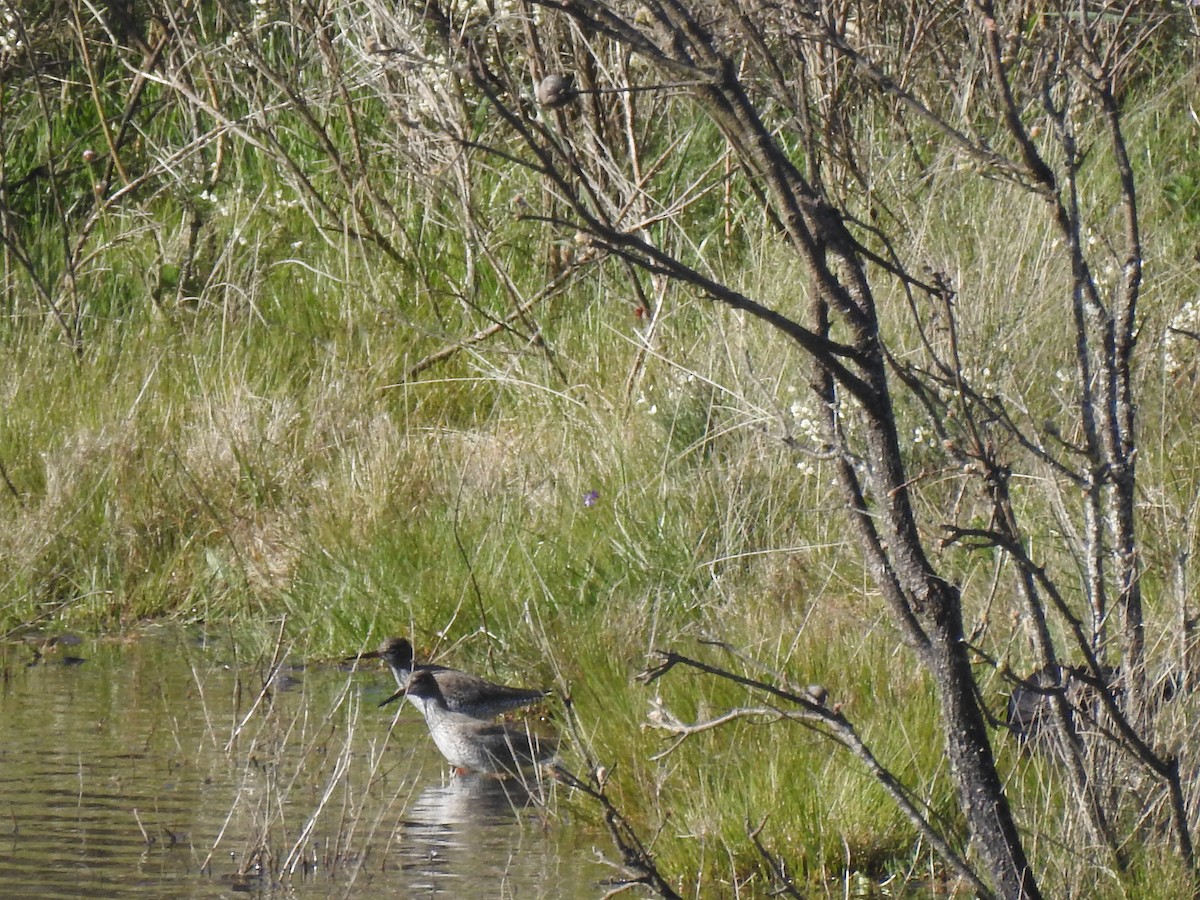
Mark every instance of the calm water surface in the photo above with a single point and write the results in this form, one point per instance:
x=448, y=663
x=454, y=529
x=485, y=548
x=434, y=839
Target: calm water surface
x=160, y=767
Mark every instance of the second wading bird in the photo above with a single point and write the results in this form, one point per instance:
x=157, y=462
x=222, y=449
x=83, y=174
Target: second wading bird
x=463, y=693
x=471, y=745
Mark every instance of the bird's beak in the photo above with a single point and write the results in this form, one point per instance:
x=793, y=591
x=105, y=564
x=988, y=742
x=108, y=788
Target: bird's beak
x=370, y=654
x=396, y=696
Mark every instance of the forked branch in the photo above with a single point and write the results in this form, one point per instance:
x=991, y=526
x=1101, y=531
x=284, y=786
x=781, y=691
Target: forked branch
x=825, y=720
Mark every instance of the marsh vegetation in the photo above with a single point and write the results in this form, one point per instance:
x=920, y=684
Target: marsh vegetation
x=748, y=347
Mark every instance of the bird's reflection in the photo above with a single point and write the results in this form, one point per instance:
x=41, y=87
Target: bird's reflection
x=471, y=799
x=468, y=820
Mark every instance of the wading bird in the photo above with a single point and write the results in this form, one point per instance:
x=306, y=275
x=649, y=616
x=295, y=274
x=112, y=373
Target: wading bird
x=469, y=744
x=463, y=693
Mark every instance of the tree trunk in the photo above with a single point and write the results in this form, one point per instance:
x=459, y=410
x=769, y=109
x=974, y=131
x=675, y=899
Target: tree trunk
x=981, y=794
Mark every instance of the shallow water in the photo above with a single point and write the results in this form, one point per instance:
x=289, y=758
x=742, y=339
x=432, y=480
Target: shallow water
x=161, y=767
